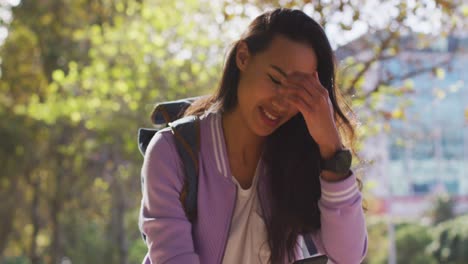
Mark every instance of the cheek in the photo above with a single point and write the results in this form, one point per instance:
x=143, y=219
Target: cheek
x=255, y=89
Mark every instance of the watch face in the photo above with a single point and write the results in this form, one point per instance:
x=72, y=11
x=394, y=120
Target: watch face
x=340, y=163
x=343, y=161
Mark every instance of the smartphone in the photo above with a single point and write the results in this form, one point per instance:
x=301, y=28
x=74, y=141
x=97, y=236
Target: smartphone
x=323, y=259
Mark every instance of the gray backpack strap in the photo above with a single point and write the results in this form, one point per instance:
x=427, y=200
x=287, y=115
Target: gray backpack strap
x=187, y=137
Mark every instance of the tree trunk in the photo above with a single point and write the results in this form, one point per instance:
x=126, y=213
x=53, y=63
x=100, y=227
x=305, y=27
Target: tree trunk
x=119, y=228
x=7, y=211
x=35, y=222
x=55, y=210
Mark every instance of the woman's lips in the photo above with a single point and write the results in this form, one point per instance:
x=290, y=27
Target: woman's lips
x=269, y=118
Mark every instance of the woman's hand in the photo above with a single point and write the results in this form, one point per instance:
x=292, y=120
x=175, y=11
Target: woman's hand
x=306, y=93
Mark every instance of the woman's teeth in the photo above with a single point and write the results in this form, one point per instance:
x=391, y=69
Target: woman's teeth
x=270, y=116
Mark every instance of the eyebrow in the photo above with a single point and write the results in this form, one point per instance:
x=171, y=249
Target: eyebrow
x=279, y=70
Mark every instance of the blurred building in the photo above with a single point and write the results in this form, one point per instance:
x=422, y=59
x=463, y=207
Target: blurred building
x=424, y=152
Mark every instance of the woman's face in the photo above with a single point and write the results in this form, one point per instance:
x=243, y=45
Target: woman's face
x=259, y=101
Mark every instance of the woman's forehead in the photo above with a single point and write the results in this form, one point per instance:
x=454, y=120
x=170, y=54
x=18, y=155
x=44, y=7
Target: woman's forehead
x=287, y=56
x=286, y=73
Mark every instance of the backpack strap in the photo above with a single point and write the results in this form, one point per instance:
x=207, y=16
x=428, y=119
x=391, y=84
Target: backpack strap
x=161, y=116
x=187, y=138
x=310, y=244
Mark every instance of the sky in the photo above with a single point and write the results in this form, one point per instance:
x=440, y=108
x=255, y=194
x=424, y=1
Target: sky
x=5, y=15
x=375, y=14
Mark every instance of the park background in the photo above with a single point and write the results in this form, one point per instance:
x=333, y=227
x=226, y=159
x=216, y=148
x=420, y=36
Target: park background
x=79, y=77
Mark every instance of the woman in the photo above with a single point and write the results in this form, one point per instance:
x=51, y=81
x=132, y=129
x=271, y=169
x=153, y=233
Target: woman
x=271, y=159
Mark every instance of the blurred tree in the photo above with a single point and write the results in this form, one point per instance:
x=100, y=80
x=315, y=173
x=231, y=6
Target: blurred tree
x=451, y=241
x=412, y=240
x=76, y=75
x=128, y=62
x=443, y=208
x=40, y=41
x=377, y=230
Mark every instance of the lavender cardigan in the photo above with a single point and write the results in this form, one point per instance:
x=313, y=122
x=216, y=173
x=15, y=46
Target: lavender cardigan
x=169, y=234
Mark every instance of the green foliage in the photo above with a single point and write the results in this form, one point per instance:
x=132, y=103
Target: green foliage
x=415, y=243
x=377, y=241
x=451, y=241
x=89, y=237
x=79, y=92
x=17, y=260
x=443, y=208
x=79, y=77
x=412, y=240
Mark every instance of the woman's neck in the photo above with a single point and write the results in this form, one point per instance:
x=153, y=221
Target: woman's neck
x=243, y=146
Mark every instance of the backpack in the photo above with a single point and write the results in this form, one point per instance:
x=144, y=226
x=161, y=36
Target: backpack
x=186, y=131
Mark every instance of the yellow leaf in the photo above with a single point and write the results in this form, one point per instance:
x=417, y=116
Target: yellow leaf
x=370, y=184
x=120, y=7
x=392, y=51
x=409, y=83
x=466, y=114
x=398, y=114
x=440, y=73
x=101, y=184
x=350, y=60
x=58, y=75
x=43, y=240
x=464, y=10
x=46, y=19
x=76, y=116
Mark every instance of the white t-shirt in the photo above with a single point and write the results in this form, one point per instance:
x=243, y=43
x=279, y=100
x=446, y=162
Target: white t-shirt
x=247, y=235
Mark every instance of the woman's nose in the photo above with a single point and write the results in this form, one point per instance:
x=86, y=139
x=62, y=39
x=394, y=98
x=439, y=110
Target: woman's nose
x=280, y=104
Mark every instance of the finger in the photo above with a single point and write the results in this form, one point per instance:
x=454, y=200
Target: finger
x=318, y=90
x=318, y=95
x=308, y=82
x=302, y=101
x=316, y=86
x=300, y=104
x=324, y=91
x=299, y=91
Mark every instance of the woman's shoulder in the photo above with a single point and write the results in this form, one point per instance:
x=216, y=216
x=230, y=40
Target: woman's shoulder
x=162, y=164
x=160, y=145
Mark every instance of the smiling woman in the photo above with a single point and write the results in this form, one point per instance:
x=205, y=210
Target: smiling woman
x=260, y=102
x=272, y=168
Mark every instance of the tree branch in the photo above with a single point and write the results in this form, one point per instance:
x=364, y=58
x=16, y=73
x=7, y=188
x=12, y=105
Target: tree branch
x=385, y=44
x=408, y=75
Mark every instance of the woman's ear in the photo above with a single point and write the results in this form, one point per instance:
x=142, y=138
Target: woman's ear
x=242, y=55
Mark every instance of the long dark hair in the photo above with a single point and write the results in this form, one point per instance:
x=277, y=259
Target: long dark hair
x=291, y=155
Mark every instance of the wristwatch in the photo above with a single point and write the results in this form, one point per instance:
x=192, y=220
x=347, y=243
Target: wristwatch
x=339, y=163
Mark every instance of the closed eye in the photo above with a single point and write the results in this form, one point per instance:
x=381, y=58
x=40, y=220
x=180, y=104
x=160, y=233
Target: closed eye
x=274, y=80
